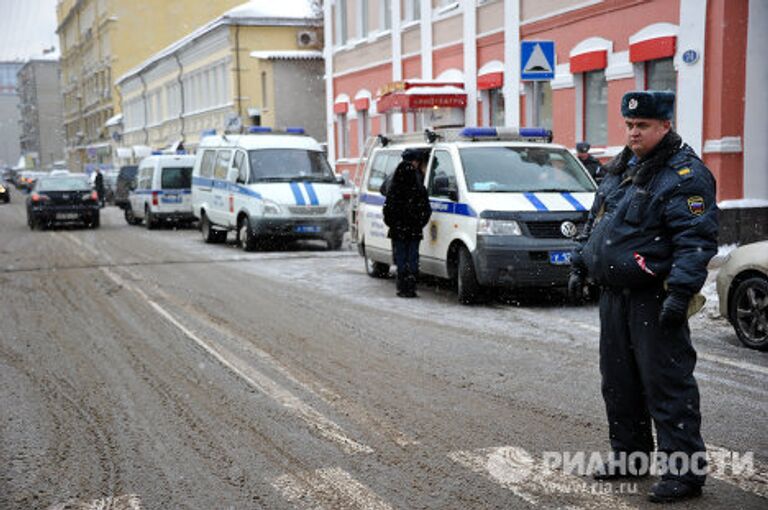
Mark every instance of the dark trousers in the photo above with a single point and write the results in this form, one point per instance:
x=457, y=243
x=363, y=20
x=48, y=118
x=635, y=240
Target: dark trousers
x=406, y=255
x=647, y=372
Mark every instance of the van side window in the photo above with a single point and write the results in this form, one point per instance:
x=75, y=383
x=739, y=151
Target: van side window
x=383, y=166
x=241, y=165
x=222, y=165
x=206, y=166
x=442, y=178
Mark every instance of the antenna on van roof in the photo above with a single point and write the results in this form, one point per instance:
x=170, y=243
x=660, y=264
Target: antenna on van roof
x=383, y=140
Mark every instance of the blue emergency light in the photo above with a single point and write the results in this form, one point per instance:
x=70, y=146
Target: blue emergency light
x=535, y=132
x=208, y=132
x=157, y=153
x=503, y=133
x=259, y=129
x=295, y=130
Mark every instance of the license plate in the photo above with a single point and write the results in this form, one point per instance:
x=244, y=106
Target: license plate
x=66, y=216
x=560, y=258
x=307, y=229
x=172, y=199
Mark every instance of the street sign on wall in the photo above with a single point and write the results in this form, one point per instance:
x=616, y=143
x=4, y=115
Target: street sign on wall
x=537, y=60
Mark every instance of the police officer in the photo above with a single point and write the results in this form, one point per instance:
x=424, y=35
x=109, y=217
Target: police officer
x=649, y=236
x=406, y=213
x=589, y=161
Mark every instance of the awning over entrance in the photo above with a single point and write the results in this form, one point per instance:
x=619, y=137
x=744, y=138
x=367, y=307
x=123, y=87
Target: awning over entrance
x=417, y=94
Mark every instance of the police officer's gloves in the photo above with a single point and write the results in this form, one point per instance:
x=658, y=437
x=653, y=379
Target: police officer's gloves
x=576, y=285
x=674, y=310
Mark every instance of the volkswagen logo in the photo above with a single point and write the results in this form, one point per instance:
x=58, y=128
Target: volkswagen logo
x=568, y=229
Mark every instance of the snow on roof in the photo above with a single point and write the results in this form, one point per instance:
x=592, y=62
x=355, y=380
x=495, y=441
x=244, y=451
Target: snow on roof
x=287, y=55
x=114, y=120
x=254, y=13
x=428, y=91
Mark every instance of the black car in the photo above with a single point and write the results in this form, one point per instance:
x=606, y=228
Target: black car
x=125, y=178
x=63, y=199
x=5, y=192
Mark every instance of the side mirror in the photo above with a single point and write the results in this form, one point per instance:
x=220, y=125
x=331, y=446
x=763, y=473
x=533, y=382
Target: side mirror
x=453, y=195
x=341, y=179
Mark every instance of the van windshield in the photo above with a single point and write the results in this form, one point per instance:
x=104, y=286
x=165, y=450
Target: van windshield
x=276, y=165
x=520, y=169
x=176, y=178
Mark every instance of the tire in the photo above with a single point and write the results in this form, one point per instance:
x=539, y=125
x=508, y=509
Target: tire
x=95, y=221
x=210, y=235
x=149, y=219
x=335, y=243
x=129, y=217
x=468, y=288
x=375, y=269
x=748, y=312
x=245, y=237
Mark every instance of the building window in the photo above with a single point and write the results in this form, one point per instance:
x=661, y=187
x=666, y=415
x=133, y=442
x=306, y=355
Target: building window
x=660, y=75
x=412, y=10
x=363, y=130
x=341, y=127
x=386, y=14
x=341, y=22
x=362, y=9
x=496, y=105
x=544, y=91
x=596, y=108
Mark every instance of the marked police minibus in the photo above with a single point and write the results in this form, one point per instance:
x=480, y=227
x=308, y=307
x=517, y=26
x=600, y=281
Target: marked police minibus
x=267, y=186
x=162, y=191
x=506, y=205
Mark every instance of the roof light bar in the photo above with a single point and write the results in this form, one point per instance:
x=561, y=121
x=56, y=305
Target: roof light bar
x=259, y=129
x=295, y=130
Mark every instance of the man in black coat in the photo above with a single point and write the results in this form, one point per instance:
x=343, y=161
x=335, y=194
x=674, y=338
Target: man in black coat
x=406, y=213
x=590, y=162
x=649, y=236
x=98, y=183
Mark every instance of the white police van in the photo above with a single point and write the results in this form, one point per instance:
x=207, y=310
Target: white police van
x=506, y=205
x=162, y=191
x=267, y=186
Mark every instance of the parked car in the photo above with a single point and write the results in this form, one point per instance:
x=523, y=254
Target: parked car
x=162, y=192
x=5, y=193
x=125, y=179
x=63, y=199
x=742, y=286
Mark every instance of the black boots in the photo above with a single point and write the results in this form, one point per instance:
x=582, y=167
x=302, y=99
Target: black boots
x=671, y=491
x=406, y=286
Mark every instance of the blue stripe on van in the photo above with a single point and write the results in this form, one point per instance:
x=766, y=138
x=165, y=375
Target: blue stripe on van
x=225, y=185
x=536, y=202
x=311, y=193
x=372, y=199
x=297, y=195
x=575, y=203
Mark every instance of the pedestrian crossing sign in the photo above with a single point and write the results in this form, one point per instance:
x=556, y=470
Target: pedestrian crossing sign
x=537, y=60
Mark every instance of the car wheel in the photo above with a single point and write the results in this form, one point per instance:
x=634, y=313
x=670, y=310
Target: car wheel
x=749, y=312
x=95, y=221
x=335, y=243
x=129, y=217
x=248, y=241
x=210, y=235
x=375, y=269
x=468, y=288
x=149, y=219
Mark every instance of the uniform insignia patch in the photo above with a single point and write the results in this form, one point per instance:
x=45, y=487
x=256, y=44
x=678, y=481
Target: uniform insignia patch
x=632, y=104
x=696, y=205
x=684, y=171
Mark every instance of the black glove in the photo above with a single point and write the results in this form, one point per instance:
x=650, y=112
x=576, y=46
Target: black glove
x=674, y=310
x=576, y=285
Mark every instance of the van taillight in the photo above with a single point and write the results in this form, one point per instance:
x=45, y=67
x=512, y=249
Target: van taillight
x=154, y=198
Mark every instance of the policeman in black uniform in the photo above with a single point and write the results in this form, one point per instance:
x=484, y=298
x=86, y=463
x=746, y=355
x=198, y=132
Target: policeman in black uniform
x=589, y=161
x=649, y=236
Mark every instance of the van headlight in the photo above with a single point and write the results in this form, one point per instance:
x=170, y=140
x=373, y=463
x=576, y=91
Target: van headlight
x=498, y=227
x=339, y=207
x=271, y=208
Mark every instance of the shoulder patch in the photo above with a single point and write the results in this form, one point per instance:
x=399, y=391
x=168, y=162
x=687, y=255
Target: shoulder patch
x=684, y=171
x=696, y=205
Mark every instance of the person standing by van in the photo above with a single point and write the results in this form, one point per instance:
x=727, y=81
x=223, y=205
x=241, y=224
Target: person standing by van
x=406, y=213
x=98, y=183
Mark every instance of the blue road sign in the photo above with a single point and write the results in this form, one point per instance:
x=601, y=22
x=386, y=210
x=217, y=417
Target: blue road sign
x=537, y=60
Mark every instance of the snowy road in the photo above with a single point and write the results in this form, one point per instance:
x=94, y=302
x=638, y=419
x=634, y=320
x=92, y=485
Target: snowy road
x=147, y=370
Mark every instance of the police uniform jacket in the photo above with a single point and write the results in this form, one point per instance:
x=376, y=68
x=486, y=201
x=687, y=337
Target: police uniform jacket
x=651, y=222
x=406, y=209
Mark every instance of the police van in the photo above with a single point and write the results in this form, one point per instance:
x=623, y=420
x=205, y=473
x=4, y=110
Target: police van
x=161, y=191
x=506, y=205
x=267, y=186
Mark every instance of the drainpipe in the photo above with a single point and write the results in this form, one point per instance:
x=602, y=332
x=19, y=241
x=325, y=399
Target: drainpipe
x=181, y=95
x=144, y=102
x=237, y=71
